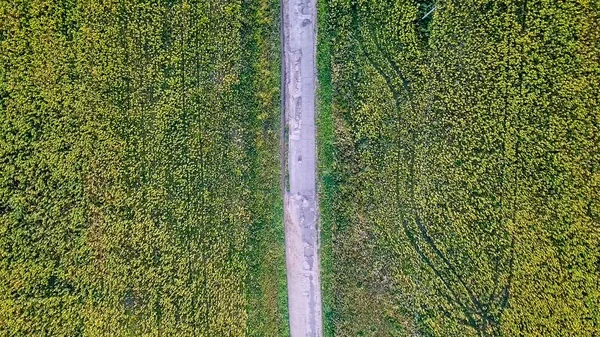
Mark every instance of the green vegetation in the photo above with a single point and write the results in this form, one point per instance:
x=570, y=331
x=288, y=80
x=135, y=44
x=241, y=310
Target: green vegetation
x=326, y=181
x=139, y=169
x=461, y=181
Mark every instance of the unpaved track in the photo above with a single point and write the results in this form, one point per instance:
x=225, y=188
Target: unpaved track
x=301, y=206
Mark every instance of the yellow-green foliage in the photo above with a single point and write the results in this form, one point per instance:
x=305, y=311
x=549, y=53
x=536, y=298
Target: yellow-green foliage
x=466, y=167
x=139, y=168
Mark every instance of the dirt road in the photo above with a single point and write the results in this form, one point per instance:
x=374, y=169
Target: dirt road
x=301, y=204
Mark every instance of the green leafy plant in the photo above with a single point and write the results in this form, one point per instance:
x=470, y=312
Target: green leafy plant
x=465, y=165
x=139, y=169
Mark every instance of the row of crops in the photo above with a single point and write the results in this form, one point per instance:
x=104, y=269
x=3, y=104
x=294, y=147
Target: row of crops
x=461, y=176
x=139, y=168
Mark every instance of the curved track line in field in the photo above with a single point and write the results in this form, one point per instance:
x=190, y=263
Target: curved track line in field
x=300, y=197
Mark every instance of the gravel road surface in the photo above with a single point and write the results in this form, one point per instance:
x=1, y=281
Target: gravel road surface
x=301, y=204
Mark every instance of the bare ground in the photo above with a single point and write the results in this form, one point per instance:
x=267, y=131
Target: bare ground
x=301, y=204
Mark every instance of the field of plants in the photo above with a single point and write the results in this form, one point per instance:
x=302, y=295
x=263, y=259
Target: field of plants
x=139, y=169
x=460, y=167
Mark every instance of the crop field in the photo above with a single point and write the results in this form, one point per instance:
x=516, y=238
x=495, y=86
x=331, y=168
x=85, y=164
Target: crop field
x=139, y=169
x=460, y=167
